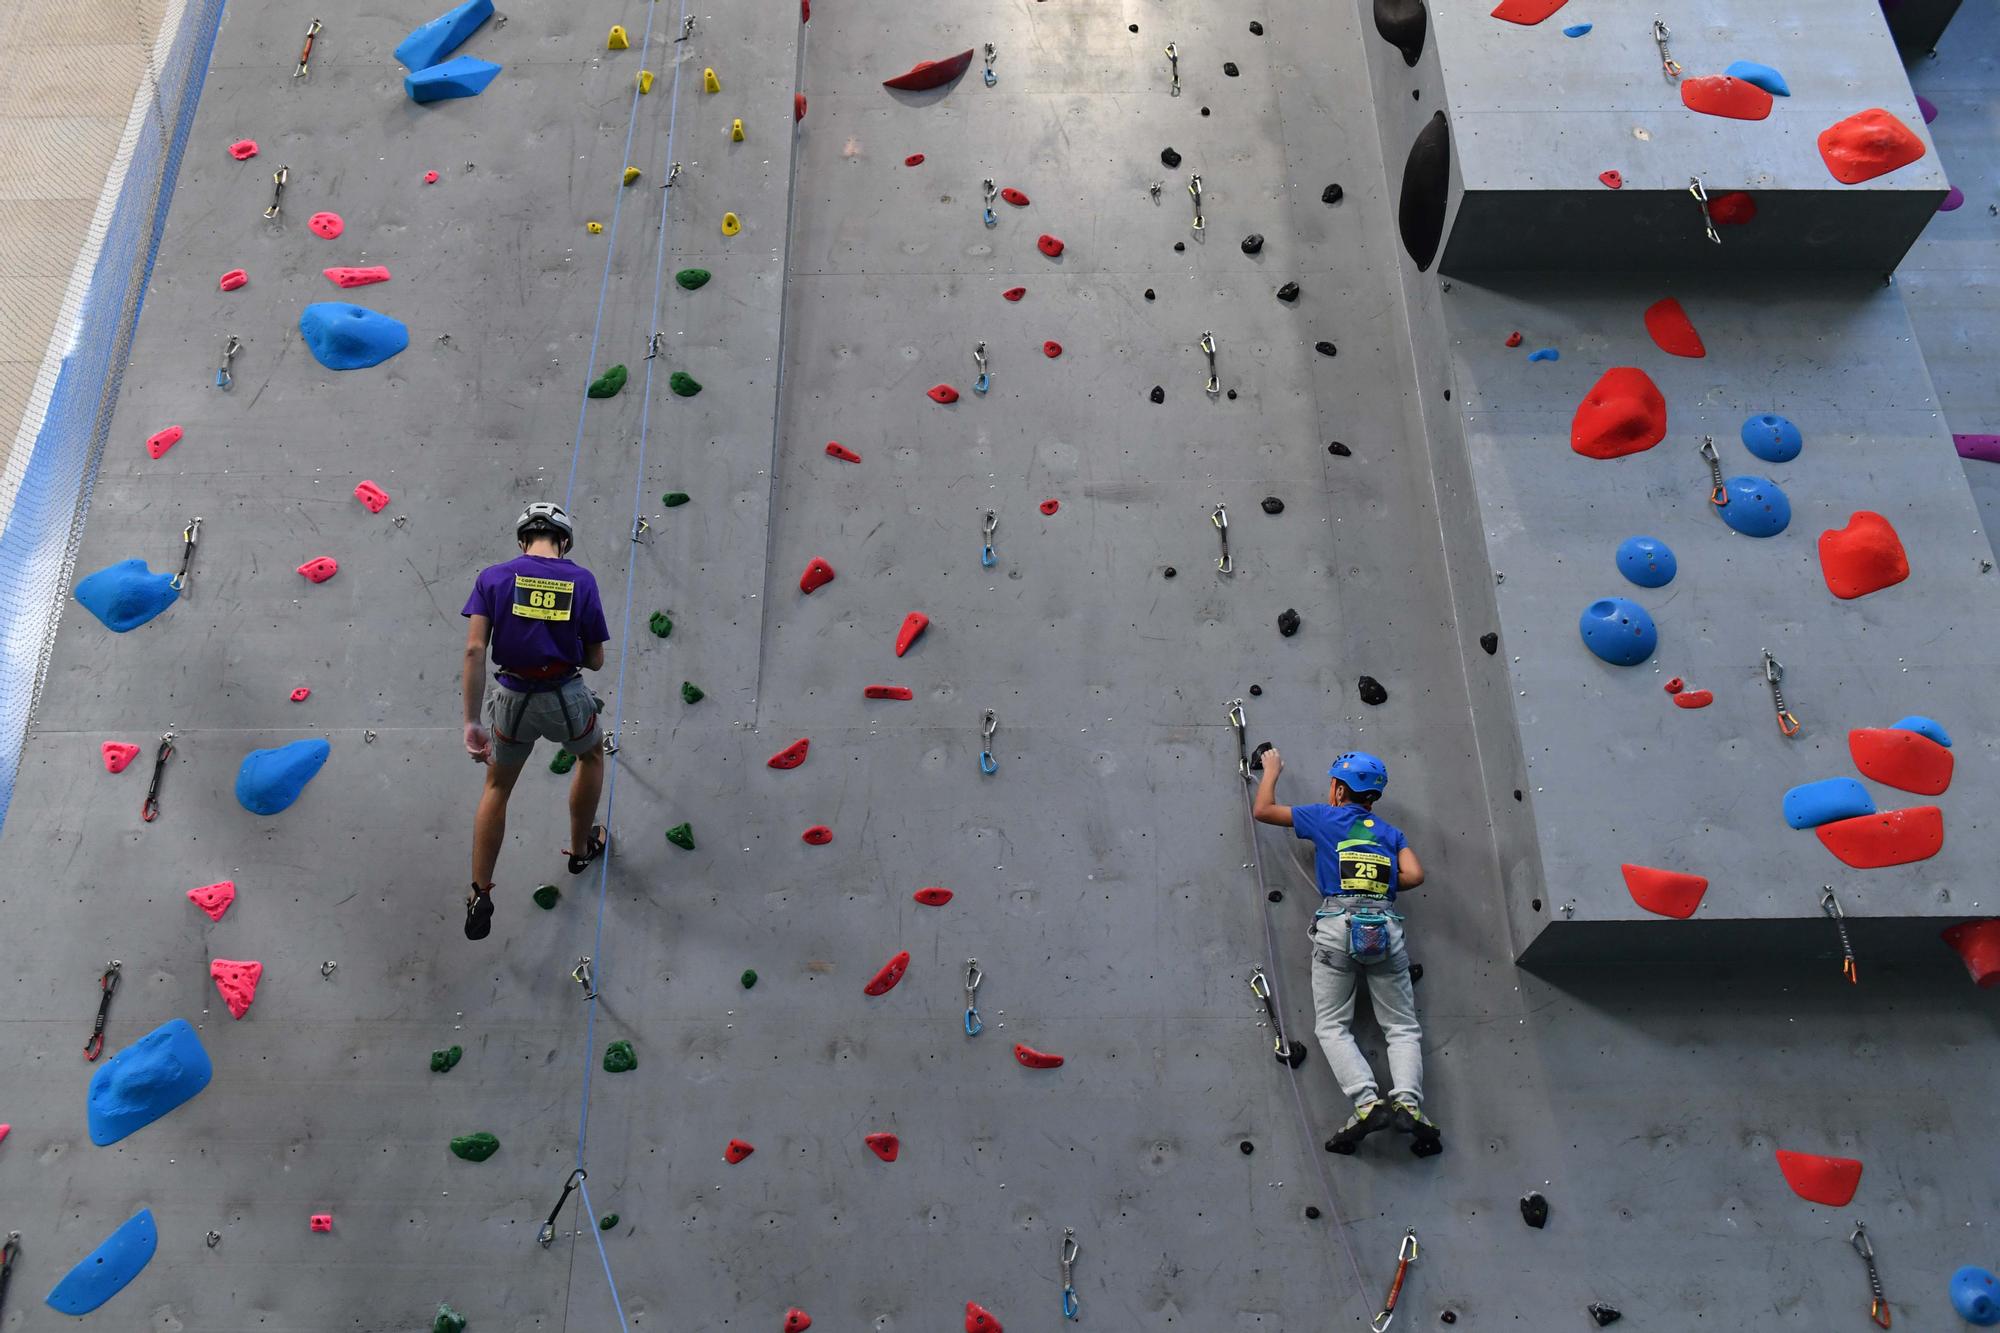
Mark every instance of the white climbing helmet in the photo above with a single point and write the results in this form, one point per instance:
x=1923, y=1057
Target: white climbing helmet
x=545, y=517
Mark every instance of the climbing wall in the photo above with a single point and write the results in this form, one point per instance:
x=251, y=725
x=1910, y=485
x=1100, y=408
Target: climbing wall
x=1103, y=872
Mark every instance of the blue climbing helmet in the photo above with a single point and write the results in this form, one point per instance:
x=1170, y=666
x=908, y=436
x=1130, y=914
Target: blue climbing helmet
x=1361, y=771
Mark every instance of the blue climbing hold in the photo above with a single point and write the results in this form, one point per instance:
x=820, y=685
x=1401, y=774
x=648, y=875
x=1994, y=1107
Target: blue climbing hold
x=433, y=41
x=349, y=337
x=1545, y=354
x=462, y=76
x=1647, y=561
x=1576, y=29
x=1975, y=1294
x=1758, y=506
x=1816, y=803
x=106, y=1269
x=147, y=1079
x=270, y=780
x=126, y=595
x=1763, y=76
x=1618, y=630
x=1926, y=726
x=1772, y=438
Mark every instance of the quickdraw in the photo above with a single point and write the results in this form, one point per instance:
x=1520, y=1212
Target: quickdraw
x=985, y=380
x=1174, y=64
x=306, y=51
x=973, y=976
x=230, y=347
x=108, y=983
x=581, y=975
x=1291, y=1053
x=1220, y=517
x=1070, y=1305
x=547, y=1235
x=991, y=526
x=149, y=809
x=1774, y=673
x=687, y=29
x=1406, y=1254
x=9, y=1249
x=1831, y=906
x=1700, y=194
x=991, y=56
x=988, y=725
x=1194, y=189
x=278, y=179
x=991, y=192
x=1878, y=1304
x=189, y=536
x=1718, y=494
x=1241, y=723
x=1214, y=385
x=1670, y=66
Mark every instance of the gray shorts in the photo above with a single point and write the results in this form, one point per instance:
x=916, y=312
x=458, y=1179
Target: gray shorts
x=566, y=715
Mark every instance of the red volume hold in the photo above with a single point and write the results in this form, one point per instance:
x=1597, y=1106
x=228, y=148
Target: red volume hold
x=1863, y=557
x=797, y=1320
x=978, y=1320
x=914, y=624
x=372, y=496
x=884, y=1146
x=1828, y=1180
x=930, y=73
x=891, y=973
x=320, y=568
x=736, y=1150
x=1901, y=759
x=1732, y=210
x=819, y=835
x=942, y=393
x=1671, y=330
x=1978, y=943
x=117, y=755
x=887, y=692
x=1624, y=413
x=1725, y=96
x=1694, y=698
x=932, y=896
x=842, y=452
x=1867, y=144
x=1035, y=1059
x=792, y=755
x=1049, y=245
x=1014, y=293
x=1526, y=12
x=1887, y=838
x=158, y=443
x=1014, y=197
x=818, y=573
x=1664, y=892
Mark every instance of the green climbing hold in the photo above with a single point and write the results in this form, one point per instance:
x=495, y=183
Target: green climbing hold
x=662, y=624
x=674, y=499
x=684, y=384
x=682, y=836
x=475, y=1147
x=545, y=897
x=608, y=1221
x=691, y=693
x=619, y=1058
x=448, y=1321
x=563, y=762
x=609, y=383
x=692, y=278
x=749, y=977
x=444, y=1061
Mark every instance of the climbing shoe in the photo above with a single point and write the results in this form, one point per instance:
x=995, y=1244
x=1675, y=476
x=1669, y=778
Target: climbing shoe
x=600, y=838
x=1365, y=1121
x=478, y=913
x=1425, y=1141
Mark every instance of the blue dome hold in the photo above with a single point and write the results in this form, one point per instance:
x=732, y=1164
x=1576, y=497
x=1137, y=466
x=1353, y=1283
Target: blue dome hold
x=270, y=780
x=1647, y=561
x=432, y=42
x=104, y=1272
x=1814, y=803
x=1618, y=630
x=126, y=595
x=1927, y=727
x=1758, y=506
x=1576, y=29
x=463, y=76
x=147, y=1079
x=1975, y=1294
x=1763, y=76
x=349, y=337
x=1772, y=438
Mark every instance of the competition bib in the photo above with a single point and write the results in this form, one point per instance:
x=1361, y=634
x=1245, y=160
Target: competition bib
x=543, y=599
x=1365, y=864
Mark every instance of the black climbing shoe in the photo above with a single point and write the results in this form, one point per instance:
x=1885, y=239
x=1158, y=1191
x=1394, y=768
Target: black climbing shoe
x=1358, y=1127
x=1425, y=1140
x=478, y=913
x=600, y=838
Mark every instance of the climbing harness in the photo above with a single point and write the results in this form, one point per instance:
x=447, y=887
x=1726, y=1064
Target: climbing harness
x=991, y=77
x=306, y=51
x=1700, y=194
x=1670, y=66
x=1406, y=1254
x=1774, y=672
x=990, y=724
x=1174, y=63
x=1223, y=563
x=189, y=535
x=1207, y=345
x=1291, y=1053
x=108, y=983
x=278, y=179
x=1240, y=723
x=581, y=975
x=973, y=976
x=1718, y=494
x=985, y=380
x=230, y=347
x=149, y=809
x=1831, y=906
x=1070, y=1304
x=986, y=538
x=1878, y=1304
x=1194, y=188
x=991, y=192
x=687, y=30
x=547, y=1235
x=9, y=1248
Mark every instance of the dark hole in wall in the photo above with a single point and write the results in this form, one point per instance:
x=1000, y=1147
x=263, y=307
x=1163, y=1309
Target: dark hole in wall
x=1426, y=181
x=1402, y=24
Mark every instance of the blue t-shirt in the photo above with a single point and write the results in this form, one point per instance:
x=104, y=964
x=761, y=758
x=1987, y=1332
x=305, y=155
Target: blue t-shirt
x=1354, y=850
x=544, y=611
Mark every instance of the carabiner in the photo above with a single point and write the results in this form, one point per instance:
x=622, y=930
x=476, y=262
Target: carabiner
x=1070, y=1304
x=992, y=193
x=189, y=536
x=1878, y=1306
x=1830, y=905
x=991, y=77
x=973, y=976
x=990, y=724
x=1774, y=673
x=547, y=1234
x=1223, y=563
x=1406, y=1254
x=985, y=381
x=278, y=179
x=223, y=378
x=986, y=550
x=1661, y=32
x=1194, y=188
x=108, y=983
x=1707, y=220
x=582, y=975
x=1174, y=63
x=1718, y=494
x=306, y=51
x=1207, y=344
x=149, y=809
x=1241, y=724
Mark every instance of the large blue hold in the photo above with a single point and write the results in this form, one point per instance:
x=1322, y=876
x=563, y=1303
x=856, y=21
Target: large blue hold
x=1772, y=438
x=1647, y=561
x=1576, y=29
x=1758, y=506
x=464, y=76
x=1619, y=631
x=147, y=1079
x=126, y=595
x=1814, y=803
x=1763, y=76
x=1926, y=726
x=435, y=40
x=106, y=1269
x=349, y=337
x=1975, y=1294
x=270, y=780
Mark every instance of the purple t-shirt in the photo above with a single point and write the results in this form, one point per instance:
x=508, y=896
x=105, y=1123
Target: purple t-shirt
x=544, y=612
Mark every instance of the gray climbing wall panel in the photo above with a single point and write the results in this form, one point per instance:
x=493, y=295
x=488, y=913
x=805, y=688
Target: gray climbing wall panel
x=1101, y=871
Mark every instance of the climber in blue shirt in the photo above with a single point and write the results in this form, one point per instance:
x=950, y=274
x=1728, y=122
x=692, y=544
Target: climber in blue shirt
x=1361, y=861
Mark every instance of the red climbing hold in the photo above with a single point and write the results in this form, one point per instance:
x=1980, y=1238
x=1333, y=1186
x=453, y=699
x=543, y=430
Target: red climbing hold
x=117, y=755
x=914, y=160
x=891, y=973
x=356, y=277
x=1674, y=686
x=1014, y=197
x=1514, y=338
x=1868, y=144
x=819, y=835
x=884, y=1146
x=818, y=573
x=1828, y=1180
x=159, y=443
x=320, y=568
x=243, y=149
x=887, y=692
x=736, y=1151
x=797, y=1320
x=1051, y=350
x=791, y=756
x=914, y=624
x=931, y=73
x=1732, y=209
x=1887, y=838
x=372, y=496
x=1035, y=1059
x=933, y=896
x=1902, y=759
x=327, y=225
x=1863, y=557
x=805, y=11
x=1726, y=96
x=1694, y=699
x=1978, y=943
x=1664, y=892
x=214, y=899
x=798, y=107
x=1048, y=245
x=1526, y=12
x=237, y=982
x=977, y=1320
x=1049, y=507
x=1014, y=293
x=1671, y=329
x=842, y=452
x=1622, y=414
x=430, y=178
x=233, y=279
x=943, y=393
x=301, y=694
x=1611, y=180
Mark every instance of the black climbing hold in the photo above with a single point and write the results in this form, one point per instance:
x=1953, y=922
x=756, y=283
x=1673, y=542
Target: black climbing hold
x=1131, y=27
x=1273, y=505
x=1256, y=691
x=1426, y=182
x=1416, y=973
x=1159, y=395
x=1232, y=395
x=1275, y=895
x=1256, y=28
x=1325, y=348
x=1149, y=293
x=1204, y=111
x=1246, y=1147
x=1402, y=24
x=1490, y=642
x=1288, y=622
x=1604, y=1314
x=1332, y=194
x=1169, y=571
x=1169, y=158
x=1312, y=1213
x=1257, y=756
x=1229, y=68
x=1339, y=450
x=1179, y=246
x=1535, y=1209
x=1448, y=1317
x=1253, y=243
x=1517, y=793
x=1289, y=292
x=1371, y=691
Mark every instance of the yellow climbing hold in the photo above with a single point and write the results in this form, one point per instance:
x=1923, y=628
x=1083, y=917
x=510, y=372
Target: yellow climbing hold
x=617, y=41
x=631, y=174
x=645, y=80
x=731, y=224
x=594, y=228
x=736, y=130
x=709, y=83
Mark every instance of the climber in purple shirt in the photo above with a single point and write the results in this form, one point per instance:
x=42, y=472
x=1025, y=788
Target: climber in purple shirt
x=544, y=619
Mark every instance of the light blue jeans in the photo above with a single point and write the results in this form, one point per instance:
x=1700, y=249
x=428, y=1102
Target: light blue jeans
x=1336, y=977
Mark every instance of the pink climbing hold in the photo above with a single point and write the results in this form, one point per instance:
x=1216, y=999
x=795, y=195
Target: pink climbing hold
x=736, y=1150
x=321, y=1221
x=430, y=178
x=320, y=568
x=237, y=982
x=117, y=755
x=372, y=497
x=1886, y=838
x=887, y=692
x=1611, y=180
x=301, y=694
x=1664, y=892
x=1672, y=331
x=1048, y=245
x=818, y=573
x=933, y=896
x=1863, y=557
x=914, y=160
x=243, y=149
x=1732, y=210
x=943, y=393
x=914, y=624
x=888, y=975
x=1726, y=96
x=842, y=452
x=356, y=277
x=792, y=755
x=326, y=225
x=884, y=1146
x=5, y=1130
x=214, y=899
x=1514, y=338
x=1977, y=942
x=233, y=279
x=797, y=1320
x=1014, y=197
x=819, y=835
x=1694, y=699
x=1868, y=144
x=977, y=1320
x=1049, y=507
x=158, y=443
x=1901, y=759
x=1051, y=350
x=1624, y=413
x=1527, y=13
x=1034, y=1059
x=1014, y=293
x=1816, y=1179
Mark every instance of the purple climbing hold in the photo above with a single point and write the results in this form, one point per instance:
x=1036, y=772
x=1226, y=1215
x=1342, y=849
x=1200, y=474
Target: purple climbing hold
x=1954, y=199
x=1756, y=507
x=1545, y=354
x=1928, y=107
x=126, y=595
x=1984, y=448
x=1618, y=630
x=1814, y=803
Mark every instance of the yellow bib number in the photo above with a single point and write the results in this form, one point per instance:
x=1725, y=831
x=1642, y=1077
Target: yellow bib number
x=543, y=599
